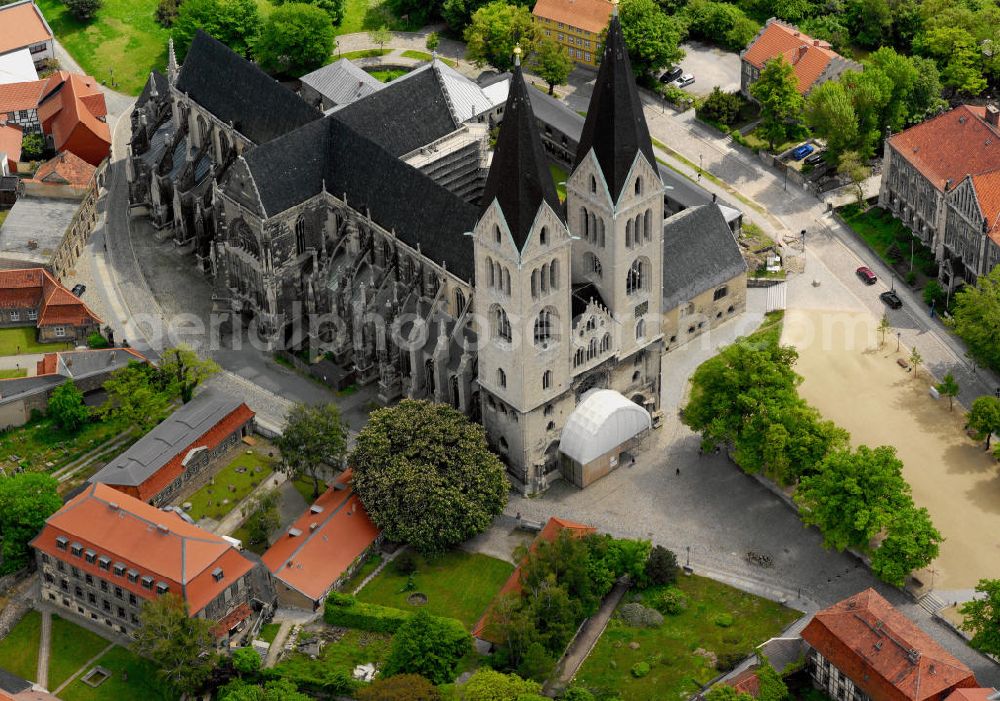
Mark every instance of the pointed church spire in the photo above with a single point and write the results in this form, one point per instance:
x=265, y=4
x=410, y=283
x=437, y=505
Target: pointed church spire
x=615, y=127
x=519, y=177
x=171, y=62
x=153, y=93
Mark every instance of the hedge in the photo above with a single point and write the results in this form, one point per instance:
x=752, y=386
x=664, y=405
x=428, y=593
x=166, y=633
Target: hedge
x=347, y=612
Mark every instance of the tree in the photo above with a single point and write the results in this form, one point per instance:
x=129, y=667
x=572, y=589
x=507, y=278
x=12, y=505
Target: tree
x=915, y=360
x=274, y=690
x=911, y=543
x=428, y=646
x=233, y=22
x=314, y=440
x=771, y=686
x=380, y=36
x=416, y=13
x=976, y=319
x=981, y=617
x=871, y=21
x=296, y=38
x=83, y=10
x=245, y=660
x=948, y=387
x=32, y=146
x=724, y=692
x=181, y=646
x=495, y=30
x=652, y=38
x=661, y=568
x=432, y=41
x=720, y=107
x=854, y=495
x=182, y=365
x=426, y=476
x=871, y=93
x=551, y=63
x=264, y=518
x=333, y=8
x=830, y=114
x=984, y=418
x=933, y=294
x=853, y=166
x=958, y=56
x=780, y=101
x=137, y=395
x=489, y=685
x=884, y=325
x=829, y=28
x=577, y=693
x=402, y=687
x=26, y=500
x=66, y=407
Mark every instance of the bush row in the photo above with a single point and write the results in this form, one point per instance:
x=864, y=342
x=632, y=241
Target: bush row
x=347, y=612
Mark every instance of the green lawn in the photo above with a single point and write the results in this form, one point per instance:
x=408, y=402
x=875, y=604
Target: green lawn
x=234, y=482
x=268, y=632
x=363, y=15
x=38, y=443
x=357, y=647
x=559, y=178
x=457, y=584
x=366, y=569
x=305, y=487
x=23, y=340
x=676, y=671
x=888, y=237
x=70, y=649
x=142, y=683
x=424, y=56
x=364, y=53
x=12, y=373
x=389, y=75
x=19, y=650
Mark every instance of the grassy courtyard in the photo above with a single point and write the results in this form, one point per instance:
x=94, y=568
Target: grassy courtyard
x=132, y=679
x=19, y=650
x=678, y=651
x=364, y=15
x=388, y=76
x=38, y=443
x=889, y=238
x=457, y=584
x=232, y=484
x=70, y=648
x=23, y=340
x=268, y=632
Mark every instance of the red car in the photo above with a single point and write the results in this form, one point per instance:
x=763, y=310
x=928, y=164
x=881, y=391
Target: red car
x=866, y=275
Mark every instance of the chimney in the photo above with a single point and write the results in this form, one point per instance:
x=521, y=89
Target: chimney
x=993, y=115
x=802, y=50
x=815, y=42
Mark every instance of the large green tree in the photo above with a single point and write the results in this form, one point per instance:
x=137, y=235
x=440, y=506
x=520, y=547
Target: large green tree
x=776, y=89
x=233, y=22
x=138, y=394
x=66, y=407
x=296, y=38
x=181, y=646
x=185, y=370
x=830, y=114
x=958, y=54
x=853, y=496
x=401, y=687
x=652, y=37
x=274, y=690
x=551, y=63
x=495, y=30
x=26, y=500
x=426, y=476
x=333, y=8
x=976, y=319
x=313, y=442
x=489, y=685
x=428, y=646
x=911, y=543
x=984, y=418
x=981, y=617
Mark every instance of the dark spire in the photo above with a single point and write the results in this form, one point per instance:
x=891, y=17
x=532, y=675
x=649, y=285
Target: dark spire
x=519, y=177
x=615, y=127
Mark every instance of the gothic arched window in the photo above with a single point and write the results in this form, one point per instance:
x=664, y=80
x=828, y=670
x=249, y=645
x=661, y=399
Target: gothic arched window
x=501, y=324
x=636, y=281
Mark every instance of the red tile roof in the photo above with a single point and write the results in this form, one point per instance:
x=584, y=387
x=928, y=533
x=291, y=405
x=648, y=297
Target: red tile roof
x=548, y=534
x=21, y=25
x=883, y=652
x=987, y=186
x=972, y=694
x=589, y=15
x=10, y=143
x=809, y=56
x=951, y=145
x=231, y=619
x=71, y=111
x=746, y=681
x=37, y=288
x=328, y=541
x=21, y=96
x=65, y=169
x=155, y=543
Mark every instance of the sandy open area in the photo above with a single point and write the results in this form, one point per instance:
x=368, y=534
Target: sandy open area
x=862, y=388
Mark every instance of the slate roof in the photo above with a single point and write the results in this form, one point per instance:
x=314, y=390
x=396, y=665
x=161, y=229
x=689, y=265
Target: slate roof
x=519, y=178
x=162, y=88
x=423, y=214
x=615, y=127
x=178, y=432
x=342, y=82
x=408, y=113
x=699, y=253
x=233, y=89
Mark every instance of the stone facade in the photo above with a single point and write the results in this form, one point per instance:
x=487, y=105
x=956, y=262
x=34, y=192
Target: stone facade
x=79, y=231
x=704, y=312
x=912, y=198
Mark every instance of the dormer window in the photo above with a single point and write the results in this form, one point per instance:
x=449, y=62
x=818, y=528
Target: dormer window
x=162, y=588
x=217, y=574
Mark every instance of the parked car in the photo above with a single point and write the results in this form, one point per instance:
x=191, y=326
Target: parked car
x=684, y=81
x=891, y=299
x=816, y=158
x=866, y=275
x=78, y=290
x=671, y=74
x=800, y=152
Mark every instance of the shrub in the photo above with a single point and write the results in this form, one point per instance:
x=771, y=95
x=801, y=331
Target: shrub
x=245, y=660
x=429, y=646
x=726, y=660
x=405, y=563
x=724, y=620
x=335, y=598
x=576, y=693
x=166, y=12
x=83, y=10
x=720, y=107
x=96, y=340
x=671, y=601
x=911, y=278
x=32, y=147
x=402, y=687
x=640, y=669
x=661, y=567
x=639, y=616
x=378, y=619
x=933, y=293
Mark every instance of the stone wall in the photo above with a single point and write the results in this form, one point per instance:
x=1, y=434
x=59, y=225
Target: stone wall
x=79, y=230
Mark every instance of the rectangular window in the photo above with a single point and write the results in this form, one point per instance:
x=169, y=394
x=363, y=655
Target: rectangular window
x=15, y=316
x=89, y=579
x=91, y=598
x=162, y=588
x=132, y=599
x=133, y=576
x=104, y=563
x=45, y=559
x=118, y=593
x=64, y=585
x=76, y=549
x=104, y=585
x=119, y=569
x=121, y=612
x=60, y=331
x=78, y=591
x=37, y=48
x=134, y=619
x=587, y=56
x=60, y=566
x=147, y=582
x=217, y=574
x=61, y=542
x=32, y=315
x=76, y=572
x=90, y=556
x=105, y=604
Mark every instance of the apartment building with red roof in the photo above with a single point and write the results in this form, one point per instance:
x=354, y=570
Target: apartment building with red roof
x=322, y=548
x=576, y=25
x=862, y=647
x=104, y=554
x=19, y=104
x=23, y=26
x=813, y=61
x=33, y=297
x=73, y=114
x=64, y=176
x=941, y=178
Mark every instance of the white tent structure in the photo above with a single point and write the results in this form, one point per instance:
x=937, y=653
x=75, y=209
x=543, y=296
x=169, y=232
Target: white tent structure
x=602, y=422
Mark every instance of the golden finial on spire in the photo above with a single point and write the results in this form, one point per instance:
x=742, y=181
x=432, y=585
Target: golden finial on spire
x=517, y=55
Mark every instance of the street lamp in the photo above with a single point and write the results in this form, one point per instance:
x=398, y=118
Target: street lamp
x=689, y=547
x=898, y=334
x=803, y=237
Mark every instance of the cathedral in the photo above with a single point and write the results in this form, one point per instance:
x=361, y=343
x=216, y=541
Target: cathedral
x=529, y=314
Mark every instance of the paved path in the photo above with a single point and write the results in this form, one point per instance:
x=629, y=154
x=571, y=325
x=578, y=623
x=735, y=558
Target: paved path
x=28, y=361
x=274, y=651
x=87, y=666
x=231, y=521
x=44, y=649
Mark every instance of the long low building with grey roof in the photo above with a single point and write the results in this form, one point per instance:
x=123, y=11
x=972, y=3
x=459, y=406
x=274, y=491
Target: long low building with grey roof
x=179, y=448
